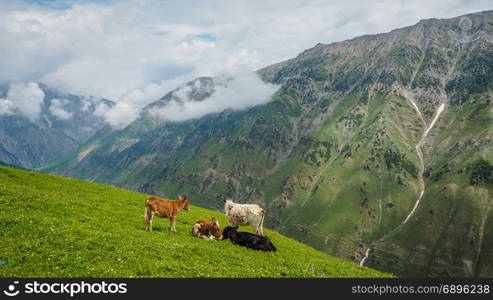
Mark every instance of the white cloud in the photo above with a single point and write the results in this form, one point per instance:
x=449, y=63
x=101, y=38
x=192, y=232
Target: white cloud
x=122, y=114
x=57, y=110
x=101, y=109
x=134, y=51
x=6, y=107
x=26, y=98
x=86, y=103
x=241, y=90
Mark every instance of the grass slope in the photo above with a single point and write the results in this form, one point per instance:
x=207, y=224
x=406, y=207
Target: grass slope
x=59, y=227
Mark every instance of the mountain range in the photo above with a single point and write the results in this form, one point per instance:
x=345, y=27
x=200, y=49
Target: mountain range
x=375, y=149
x=64, y=123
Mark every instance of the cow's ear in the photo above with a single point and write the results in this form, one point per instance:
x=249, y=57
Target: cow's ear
x=225, y=200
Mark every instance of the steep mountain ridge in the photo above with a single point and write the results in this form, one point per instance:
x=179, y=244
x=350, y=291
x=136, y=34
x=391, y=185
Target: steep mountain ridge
x=375, y=149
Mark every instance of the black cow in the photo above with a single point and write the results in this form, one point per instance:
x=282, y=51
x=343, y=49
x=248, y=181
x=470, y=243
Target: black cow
x=249, y=240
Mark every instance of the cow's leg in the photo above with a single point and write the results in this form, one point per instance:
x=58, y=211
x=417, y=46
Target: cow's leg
x=260, y=225
x=148, y=220
x=260, y=230
x=172, y=221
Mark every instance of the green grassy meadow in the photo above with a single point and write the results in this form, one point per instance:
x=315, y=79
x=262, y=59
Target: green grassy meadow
x=59, y=227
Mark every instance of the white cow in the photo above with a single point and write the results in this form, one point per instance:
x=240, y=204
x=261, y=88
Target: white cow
x=244, y=214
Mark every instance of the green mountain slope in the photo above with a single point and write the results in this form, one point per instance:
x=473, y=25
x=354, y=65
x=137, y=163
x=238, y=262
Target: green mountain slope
x=376, y=149
x=59, y=227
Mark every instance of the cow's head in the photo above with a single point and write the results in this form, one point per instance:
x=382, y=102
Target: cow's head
x=184, y=201
x=216, y=229
x=228, y=203
x=227, y=232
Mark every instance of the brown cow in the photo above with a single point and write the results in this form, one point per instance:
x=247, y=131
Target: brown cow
x=207, y=230
x=163, y=208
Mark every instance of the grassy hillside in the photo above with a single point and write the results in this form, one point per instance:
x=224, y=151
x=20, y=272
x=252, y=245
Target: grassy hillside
x=60, y=227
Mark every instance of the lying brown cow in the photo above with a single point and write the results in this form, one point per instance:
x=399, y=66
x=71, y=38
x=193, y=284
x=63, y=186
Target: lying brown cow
x=163, y=208
x=207, y=230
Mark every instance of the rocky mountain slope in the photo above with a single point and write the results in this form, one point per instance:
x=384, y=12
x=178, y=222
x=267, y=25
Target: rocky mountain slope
x=375, y=149
x=63, y=124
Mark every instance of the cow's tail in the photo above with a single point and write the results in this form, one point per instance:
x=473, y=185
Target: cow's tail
x=261, y=222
